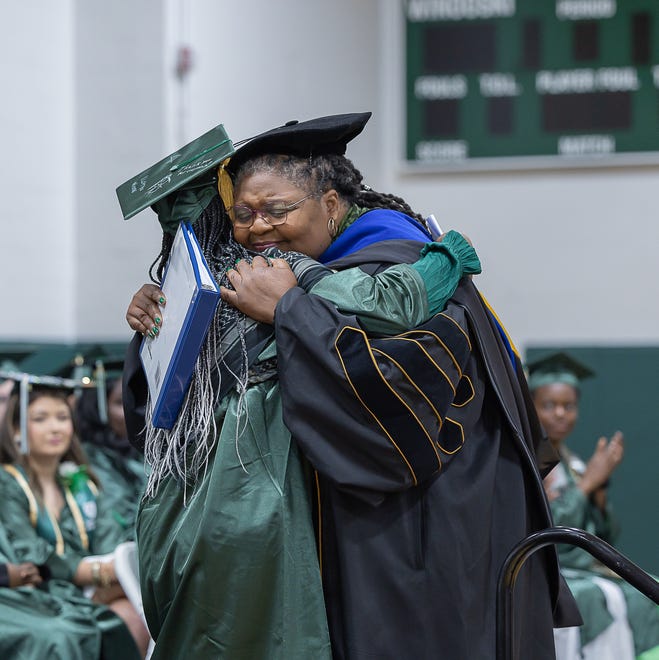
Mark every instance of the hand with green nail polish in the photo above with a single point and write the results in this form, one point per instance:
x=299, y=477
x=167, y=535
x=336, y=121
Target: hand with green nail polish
x=144, y=314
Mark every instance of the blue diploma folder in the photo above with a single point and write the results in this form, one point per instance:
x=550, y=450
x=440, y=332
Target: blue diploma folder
x=169, y=359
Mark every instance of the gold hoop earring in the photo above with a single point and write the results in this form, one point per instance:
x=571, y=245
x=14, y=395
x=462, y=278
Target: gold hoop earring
x=331, y=227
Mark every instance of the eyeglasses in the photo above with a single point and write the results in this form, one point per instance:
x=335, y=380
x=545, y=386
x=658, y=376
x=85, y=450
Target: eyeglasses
x=274, y=214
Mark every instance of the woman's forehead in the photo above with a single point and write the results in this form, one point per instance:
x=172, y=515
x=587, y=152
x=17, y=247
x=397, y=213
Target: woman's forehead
x=557, y=390
x=48, y=401
x=265, y=185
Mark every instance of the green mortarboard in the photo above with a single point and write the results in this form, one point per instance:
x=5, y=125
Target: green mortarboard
x=12, y=354
x=190, y=172
x=62, y=360
x=60, y=367
x=106, y=367
x=557, y=368
x=72, y=361
x=323, y=135
x=41, y=359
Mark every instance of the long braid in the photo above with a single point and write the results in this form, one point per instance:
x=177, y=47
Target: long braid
x=324, y=172
x=161, y=260
x=371, y=199
x=340, y=173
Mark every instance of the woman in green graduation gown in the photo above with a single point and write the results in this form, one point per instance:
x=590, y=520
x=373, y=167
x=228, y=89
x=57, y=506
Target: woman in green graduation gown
x=35, y=624
x=620, y=623
x=55, y=516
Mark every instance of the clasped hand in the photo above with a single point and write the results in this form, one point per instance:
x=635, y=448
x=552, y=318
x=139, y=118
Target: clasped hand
x=258, y=286
x=23, y=575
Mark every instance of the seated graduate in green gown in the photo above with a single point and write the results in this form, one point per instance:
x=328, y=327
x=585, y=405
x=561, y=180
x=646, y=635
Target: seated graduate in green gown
x=103, y=435
x=55, y=515
x=620, y=623
x=225, y=533
x=35, y=624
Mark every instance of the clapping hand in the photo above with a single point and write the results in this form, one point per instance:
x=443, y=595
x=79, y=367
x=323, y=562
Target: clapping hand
x=606, y=458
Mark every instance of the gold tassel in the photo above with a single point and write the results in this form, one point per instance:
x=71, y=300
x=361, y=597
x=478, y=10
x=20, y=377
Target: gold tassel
x=225, y=187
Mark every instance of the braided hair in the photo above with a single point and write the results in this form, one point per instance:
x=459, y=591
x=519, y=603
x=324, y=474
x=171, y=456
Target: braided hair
x=184, y=450
x=318, y=174
x=215, y=236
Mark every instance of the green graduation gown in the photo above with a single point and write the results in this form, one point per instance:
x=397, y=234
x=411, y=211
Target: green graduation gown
x=106, y=632
x=35, y=624
x=237, y=561
x=571, y=508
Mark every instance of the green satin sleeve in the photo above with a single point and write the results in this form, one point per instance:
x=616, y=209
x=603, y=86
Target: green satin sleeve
x=570, y=508
x=387, y=303
x=405, y=295
x=442, y=265
x=6, y=550
x=109, y=532
x=122, y=480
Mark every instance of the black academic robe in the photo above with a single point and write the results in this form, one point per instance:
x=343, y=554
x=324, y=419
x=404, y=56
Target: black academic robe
x=428, y=459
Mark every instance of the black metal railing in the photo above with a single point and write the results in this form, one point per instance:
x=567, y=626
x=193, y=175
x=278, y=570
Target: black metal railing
x=598, y=548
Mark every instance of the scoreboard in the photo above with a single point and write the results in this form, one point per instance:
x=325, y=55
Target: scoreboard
x=569, y=81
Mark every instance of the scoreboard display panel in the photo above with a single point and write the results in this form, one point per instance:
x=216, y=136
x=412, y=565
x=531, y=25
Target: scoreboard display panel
x=569, y=81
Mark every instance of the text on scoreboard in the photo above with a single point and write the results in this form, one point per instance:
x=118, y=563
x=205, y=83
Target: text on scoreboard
x=517, y=78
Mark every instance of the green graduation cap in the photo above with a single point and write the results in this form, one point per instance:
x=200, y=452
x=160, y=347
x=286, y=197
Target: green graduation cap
x=61, y=360
x=106, y=367
x=26, y=382
x=557, y=368
x=189, y=171
x=76, y=363
x=57, y=359
x=13, y=353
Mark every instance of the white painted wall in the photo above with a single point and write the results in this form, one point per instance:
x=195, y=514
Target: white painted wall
x=37, y=268
x=120, y=130
x=91, y=99
x=82, y=97
x=259, y=64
